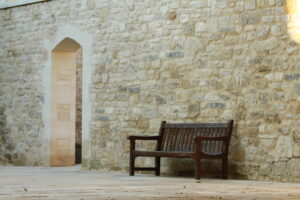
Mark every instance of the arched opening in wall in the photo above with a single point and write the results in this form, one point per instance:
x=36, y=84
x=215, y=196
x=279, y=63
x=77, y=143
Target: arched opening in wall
x=66, y=104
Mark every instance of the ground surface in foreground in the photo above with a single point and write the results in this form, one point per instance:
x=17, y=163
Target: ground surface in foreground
x=72, y=183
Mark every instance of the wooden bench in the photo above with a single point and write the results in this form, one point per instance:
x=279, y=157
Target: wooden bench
x=186, y=140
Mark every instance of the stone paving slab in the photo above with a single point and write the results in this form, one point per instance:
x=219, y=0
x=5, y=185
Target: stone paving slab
x=66, y=183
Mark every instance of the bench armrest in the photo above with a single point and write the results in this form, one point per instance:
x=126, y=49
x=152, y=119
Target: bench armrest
x=201, y=138
x=143, y=137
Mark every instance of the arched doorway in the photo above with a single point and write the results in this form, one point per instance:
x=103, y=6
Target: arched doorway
x=66, y=103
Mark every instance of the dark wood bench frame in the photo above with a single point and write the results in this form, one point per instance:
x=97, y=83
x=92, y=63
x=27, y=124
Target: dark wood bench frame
x=204, y=146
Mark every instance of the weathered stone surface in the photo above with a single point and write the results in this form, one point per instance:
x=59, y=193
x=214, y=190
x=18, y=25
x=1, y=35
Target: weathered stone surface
x=250, y=18
x=175, y=54
x=200, y=27
x=291, y=77
x=284, y=148
x=293, y=168
x=296, y=151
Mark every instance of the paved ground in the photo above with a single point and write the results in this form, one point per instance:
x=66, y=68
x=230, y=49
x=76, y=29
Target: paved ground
x=72, y=183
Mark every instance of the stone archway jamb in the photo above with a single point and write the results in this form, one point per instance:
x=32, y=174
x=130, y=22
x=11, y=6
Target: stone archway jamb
x=84, y=39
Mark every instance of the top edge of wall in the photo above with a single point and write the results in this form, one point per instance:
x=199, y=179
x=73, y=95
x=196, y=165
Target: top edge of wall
x=16, y=3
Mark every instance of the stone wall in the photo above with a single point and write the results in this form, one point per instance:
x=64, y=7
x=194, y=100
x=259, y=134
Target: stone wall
x=174, y=60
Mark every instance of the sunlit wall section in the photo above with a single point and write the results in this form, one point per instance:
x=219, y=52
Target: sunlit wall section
x=293, y=13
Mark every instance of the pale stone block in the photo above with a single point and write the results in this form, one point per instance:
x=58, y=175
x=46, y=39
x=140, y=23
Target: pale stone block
x=268, y=19
x=262, y=128
x=211, y=97
x=221, y=3
x=130, y=4
x=268, y=144
x=267, y=136
x=200, y=27
x=250, y=5
x=239, y=6
x=296, y=152
x=270, y=44
x=227, y=114
x=163, y=10
x=199, y=4
x=277, y=29
x=249, y=28
x=90, y=4
x=184, y=18
x=277, y=76
x=271, y=2
x=122, y=27
x=286, y=122
x=293, y=167
x=284, y=148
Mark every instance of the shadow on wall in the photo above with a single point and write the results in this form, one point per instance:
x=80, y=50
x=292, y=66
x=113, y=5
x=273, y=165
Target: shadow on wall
x=7, y=156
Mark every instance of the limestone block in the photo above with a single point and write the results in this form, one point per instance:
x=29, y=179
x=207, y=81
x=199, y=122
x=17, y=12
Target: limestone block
x=7, y=14
x=252, y=17
x=148, y=113
x=221, y=3
x=142, y=123
x=271, y=117
x=193, y=110
x=239, y=6
x=284, y=148
x=200, y=27
x=279, y=168
x=130, y=4
x=270, y=44
x=90, y=4
x=296, y=151
x=250, y=5
x=293, y=167
x=267, y=143
x=184, y=18
x=227, y=115
x=271, y=2
x=268, y=19
x=265, y=169
x=277, y=29
x=274, y=76
x=297, y=88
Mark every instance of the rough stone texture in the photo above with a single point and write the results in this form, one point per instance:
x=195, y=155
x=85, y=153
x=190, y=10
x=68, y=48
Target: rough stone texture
x=175, y=60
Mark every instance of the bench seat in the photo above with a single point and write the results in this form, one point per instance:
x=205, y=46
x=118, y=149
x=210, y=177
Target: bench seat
x=175, y=154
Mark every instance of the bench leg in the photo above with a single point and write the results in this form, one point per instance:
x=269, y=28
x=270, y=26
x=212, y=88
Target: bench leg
x=131, y=165
x=224, y=168
x=197, y=167
x=157, y=166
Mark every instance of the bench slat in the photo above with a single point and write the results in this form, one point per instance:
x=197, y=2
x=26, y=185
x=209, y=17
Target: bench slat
x=178, y=137
x=181, y=139
x=195, y=125
x=189, y=138
x=177, y=154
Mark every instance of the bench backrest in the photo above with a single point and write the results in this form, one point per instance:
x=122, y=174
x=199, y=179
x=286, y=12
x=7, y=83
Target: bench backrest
x=179, y=136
